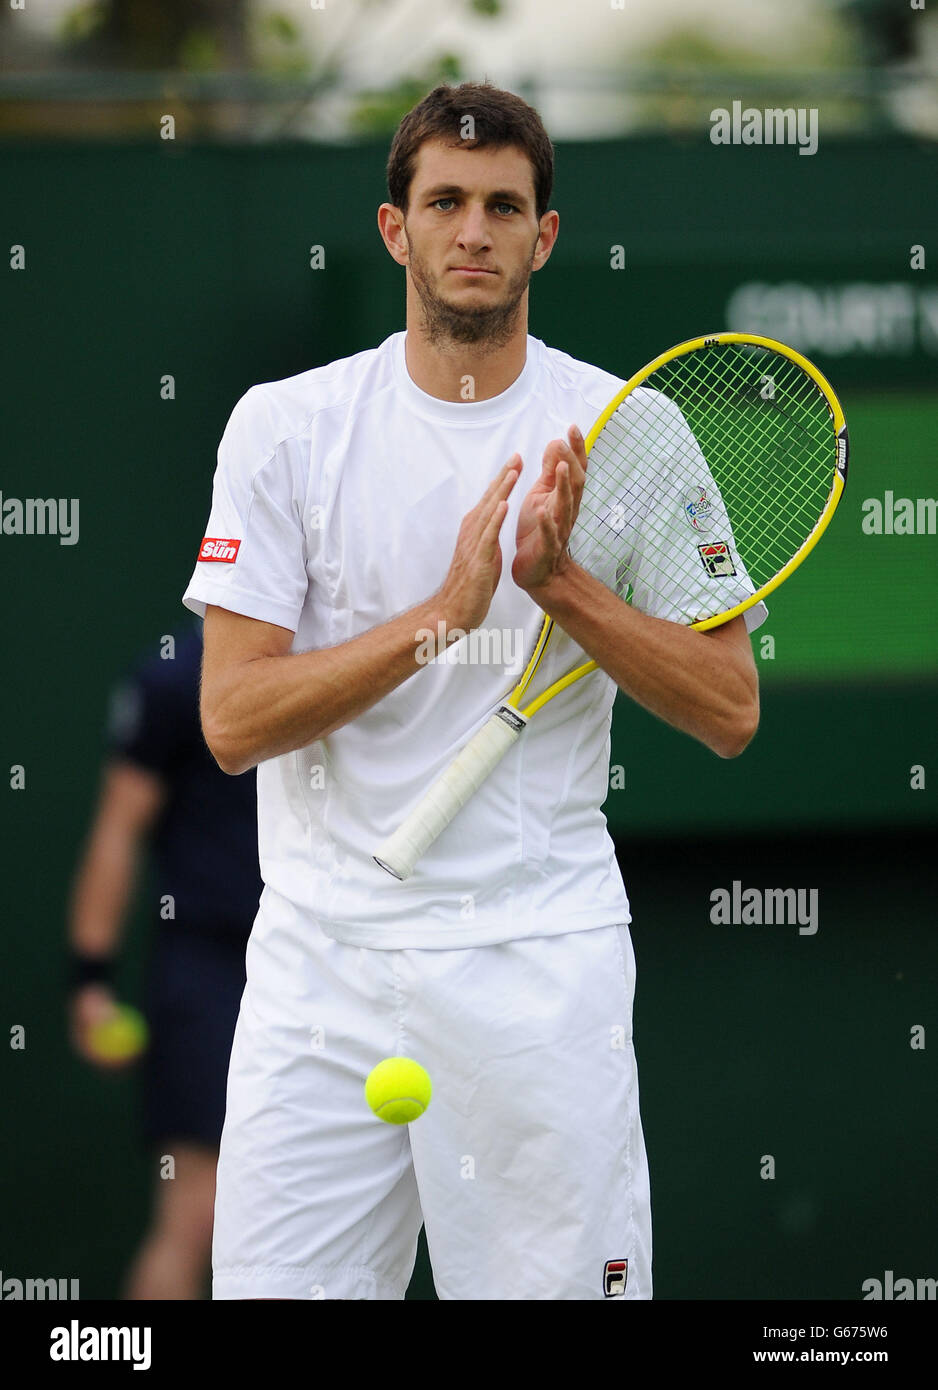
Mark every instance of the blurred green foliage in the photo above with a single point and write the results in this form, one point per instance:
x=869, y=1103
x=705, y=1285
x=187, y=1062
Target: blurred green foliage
x=379, y=112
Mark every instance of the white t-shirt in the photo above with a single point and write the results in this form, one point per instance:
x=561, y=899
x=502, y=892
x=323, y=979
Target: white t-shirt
x=337, y=500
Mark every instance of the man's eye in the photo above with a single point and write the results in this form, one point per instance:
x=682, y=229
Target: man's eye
x=440, y=201
x=505, y=207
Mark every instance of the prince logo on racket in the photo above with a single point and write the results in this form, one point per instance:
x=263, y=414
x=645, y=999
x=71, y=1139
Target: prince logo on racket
x=550, y=503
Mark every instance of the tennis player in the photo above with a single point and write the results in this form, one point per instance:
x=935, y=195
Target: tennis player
x=384, y=534
x=161, y=790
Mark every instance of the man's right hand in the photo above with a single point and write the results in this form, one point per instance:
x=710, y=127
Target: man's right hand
x=476, y=566
x=260, y=700
x=89, y=1006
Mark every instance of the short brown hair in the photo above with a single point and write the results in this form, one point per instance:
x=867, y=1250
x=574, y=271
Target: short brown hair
x=500, y=119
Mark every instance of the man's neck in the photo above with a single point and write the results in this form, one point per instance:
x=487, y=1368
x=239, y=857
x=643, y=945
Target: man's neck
x=464, y=371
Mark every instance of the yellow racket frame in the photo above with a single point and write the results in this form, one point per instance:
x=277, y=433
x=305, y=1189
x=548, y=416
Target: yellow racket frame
x=837, y=486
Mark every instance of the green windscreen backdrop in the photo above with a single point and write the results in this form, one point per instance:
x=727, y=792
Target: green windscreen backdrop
x=164, y=271
x=150, y=286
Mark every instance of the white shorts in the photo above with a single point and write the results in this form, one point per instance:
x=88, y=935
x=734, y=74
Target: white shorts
x=528, y=1169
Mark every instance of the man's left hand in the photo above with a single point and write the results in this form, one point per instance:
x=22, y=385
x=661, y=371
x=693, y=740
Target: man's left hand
x=548, y=513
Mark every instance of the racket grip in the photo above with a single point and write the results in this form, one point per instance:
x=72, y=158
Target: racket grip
x=399, y=853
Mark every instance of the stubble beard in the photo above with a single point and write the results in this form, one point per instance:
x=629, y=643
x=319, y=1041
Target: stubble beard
x=484, y=326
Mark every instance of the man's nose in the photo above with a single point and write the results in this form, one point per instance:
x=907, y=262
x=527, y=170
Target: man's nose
x=474, y=230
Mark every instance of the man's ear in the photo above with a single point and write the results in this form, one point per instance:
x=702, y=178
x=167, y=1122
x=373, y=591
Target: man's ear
x=393, y=232
x=547, y=236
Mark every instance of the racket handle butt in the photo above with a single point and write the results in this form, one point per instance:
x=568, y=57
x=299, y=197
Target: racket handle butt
x=399, y=873
x=399, y=853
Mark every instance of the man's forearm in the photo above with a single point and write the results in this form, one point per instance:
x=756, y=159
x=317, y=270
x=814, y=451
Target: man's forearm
x=704, y=683
x=129, y=803
x=101, y=892
x=276, y=704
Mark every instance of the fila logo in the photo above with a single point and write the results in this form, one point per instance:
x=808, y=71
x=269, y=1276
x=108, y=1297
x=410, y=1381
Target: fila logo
x=717, y=559
x=615, y=1274
x=213, y=549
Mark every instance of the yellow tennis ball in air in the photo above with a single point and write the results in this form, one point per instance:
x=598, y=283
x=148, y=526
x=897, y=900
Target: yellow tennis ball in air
x=121, y=1037
x=398, y=1090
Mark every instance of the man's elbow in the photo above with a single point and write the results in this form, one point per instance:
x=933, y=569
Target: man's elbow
x=230, y=766
x=737, y=732
x=227, y=755
x=226, y=761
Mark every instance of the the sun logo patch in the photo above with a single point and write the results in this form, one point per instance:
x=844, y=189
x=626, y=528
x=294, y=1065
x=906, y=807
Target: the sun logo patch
x=214, y=548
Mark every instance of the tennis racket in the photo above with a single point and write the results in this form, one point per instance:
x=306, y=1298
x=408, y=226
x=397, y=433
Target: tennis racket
x=711, y=475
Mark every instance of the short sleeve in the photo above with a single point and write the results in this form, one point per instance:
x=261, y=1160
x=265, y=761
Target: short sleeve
x=252, y=559
x=677, y=557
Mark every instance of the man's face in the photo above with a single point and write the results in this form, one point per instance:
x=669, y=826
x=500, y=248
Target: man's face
x=473, y=240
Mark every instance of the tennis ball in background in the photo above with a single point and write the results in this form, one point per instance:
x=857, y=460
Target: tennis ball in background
x=121, y=1037
x=398, y=1090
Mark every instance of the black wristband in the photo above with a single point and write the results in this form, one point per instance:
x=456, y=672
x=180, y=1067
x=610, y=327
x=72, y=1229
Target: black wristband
x=89, y=970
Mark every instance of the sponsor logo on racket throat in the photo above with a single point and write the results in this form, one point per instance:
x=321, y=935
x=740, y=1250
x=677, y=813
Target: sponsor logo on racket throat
x=716, y=559
x=512, y=717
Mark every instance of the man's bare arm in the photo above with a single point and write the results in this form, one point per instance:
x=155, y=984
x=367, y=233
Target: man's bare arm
x=704, y=683
x=128, y=805
x=259, y=700
x=130, y=800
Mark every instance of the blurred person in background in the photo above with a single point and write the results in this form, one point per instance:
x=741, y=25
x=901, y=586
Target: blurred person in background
x=162, y=789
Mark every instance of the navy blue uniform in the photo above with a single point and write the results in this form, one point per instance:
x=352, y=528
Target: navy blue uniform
x=203, y=856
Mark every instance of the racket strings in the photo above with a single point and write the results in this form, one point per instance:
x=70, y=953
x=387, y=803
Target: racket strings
x=731, y=444
x=777, y=505
x=783, y=395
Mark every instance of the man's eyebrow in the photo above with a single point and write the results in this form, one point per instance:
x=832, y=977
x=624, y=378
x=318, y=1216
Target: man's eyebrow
x=502, y=195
